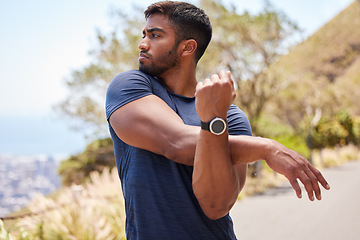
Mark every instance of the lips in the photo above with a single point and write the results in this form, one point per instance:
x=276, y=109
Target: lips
x=143, y=56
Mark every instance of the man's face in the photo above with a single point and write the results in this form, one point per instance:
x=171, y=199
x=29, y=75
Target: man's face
x=158, y=47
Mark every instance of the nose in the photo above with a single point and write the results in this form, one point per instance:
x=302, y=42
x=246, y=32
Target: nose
x=144, y=45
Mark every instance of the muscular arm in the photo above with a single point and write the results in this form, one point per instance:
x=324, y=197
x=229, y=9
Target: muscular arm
x=149, y=123
x=215, y=180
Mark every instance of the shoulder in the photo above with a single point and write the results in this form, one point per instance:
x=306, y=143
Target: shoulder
x=132, y=74
x=238, y=122
x=127, y=87
x=130, y=77
x=130, y=82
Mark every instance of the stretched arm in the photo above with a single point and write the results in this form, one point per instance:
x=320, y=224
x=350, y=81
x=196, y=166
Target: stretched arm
x=149, y=123
x=215, y=181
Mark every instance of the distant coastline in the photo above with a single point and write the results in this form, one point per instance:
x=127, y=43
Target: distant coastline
x=22, y=177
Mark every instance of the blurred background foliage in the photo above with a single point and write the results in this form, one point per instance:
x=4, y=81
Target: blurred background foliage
x=97, y=156
x=299, y=92
x=94, y=210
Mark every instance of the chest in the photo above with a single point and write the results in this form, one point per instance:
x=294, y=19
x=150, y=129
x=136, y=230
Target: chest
x=183, y=106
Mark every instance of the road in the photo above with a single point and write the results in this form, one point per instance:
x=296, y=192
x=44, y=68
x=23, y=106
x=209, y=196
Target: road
x=278, y=214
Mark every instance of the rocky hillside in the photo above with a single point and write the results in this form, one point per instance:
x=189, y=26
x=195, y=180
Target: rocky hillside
x=323, y=72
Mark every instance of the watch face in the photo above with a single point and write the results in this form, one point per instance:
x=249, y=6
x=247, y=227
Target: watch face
x=217, y=126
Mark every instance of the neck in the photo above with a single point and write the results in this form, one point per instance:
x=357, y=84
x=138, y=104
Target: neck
x=180, y=80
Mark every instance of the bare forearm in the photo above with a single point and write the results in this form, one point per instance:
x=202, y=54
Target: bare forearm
x=243, y=149
x=248, y=149
x=215, y=182
x=135, y=125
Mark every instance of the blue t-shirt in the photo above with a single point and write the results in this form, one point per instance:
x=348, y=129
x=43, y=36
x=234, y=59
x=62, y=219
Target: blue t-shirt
x=159, y=199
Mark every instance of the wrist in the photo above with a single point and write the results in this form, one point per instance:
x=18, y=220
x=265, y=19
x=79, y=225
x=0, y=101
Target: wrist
x=209, y=117
x=268, y=147
x=216, y=126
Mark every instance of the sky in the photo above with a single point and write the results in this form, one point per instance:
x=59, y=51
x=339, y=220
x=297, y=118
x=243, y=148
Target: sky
x=42, y=42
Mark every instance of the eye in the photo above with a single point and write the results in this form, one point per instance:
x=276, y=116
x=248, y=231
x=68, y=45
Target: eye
x=155, y=35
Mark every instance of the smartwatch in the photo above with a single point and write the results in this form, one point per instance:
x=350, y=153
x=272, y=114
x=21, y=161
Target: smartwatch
x=216, y=126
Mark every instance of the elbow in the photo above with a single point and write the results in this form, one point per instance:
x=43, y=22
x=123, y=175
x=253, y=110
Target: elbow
x=169, y=147
x=214, y=208
x=176, y=152
x=214, y=212
x=215, y=215
x=171, y=152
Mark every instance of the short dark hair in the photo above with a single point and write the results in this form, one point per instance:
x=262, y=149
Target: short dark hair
x=189, y=22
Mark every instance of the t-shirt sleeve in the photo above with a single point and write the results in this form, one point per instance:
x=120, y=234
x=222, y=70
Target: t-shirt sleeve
x=238, y=122
x=125, y=88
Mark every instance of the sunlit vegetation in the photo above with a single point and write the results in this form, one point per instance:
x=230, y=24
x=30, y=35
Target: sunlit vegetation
x=94, y=210
x=98, y=155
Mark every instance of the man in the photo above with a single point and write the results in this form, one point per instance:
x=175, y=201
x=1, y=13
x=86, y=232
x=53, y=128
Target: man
x=180, y=180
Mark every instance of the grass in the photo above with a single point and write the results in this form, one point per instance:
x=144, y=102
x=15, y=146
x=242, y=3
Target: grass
x=337, y=156
x=93, y=211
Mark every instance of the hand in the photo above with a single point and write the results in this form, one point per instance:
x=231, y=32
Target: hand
x=293, y=166
x=214, y=96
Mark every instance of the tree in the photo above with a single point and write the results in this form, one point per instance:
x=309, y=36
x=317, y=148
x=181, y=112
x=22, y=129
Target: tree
x=116, y=52
x=98, y=155
x=245, y=44
x=248, y=45
x=333, y=131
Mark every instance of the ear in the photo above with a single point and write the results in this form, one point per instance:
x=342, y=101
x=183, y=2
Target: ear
x=189, y=47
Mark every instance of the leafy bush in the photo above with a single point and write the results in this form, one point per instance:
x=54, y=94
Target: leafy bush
x=97, y=156
x=341, y=129
x=94, y=211
x=296, y=143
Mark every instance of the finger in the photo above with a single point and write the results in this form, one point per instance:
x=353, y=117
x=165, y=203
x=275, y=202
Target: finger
x=215, y=78
x=229, y=77
x=295, y=185
x=226, y=80
x=228, y=73
x=198, y=87
x=223, y=76
x=319, y=177
x=304, y=176
x=308, y=178
x=307, y=184
x=233, y=95
x=314, y=182
x=207, y=82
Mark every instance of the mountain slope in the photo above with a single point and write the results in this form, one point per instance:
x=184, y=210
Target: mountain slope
x=331, y=50
x=323, y=72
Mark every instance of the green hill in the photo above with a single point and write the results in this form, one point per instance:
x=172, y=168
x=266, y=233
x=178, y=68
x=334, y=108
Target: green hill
x=332, y=50
x=322, y=74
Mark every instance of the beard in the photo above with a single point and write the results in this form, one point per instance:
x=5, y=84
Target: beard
x=161, y=64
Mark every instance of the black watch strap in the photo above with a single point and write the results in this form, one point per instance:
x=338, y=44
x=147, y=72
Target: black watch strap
x=205, y=126
x=216, y=126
